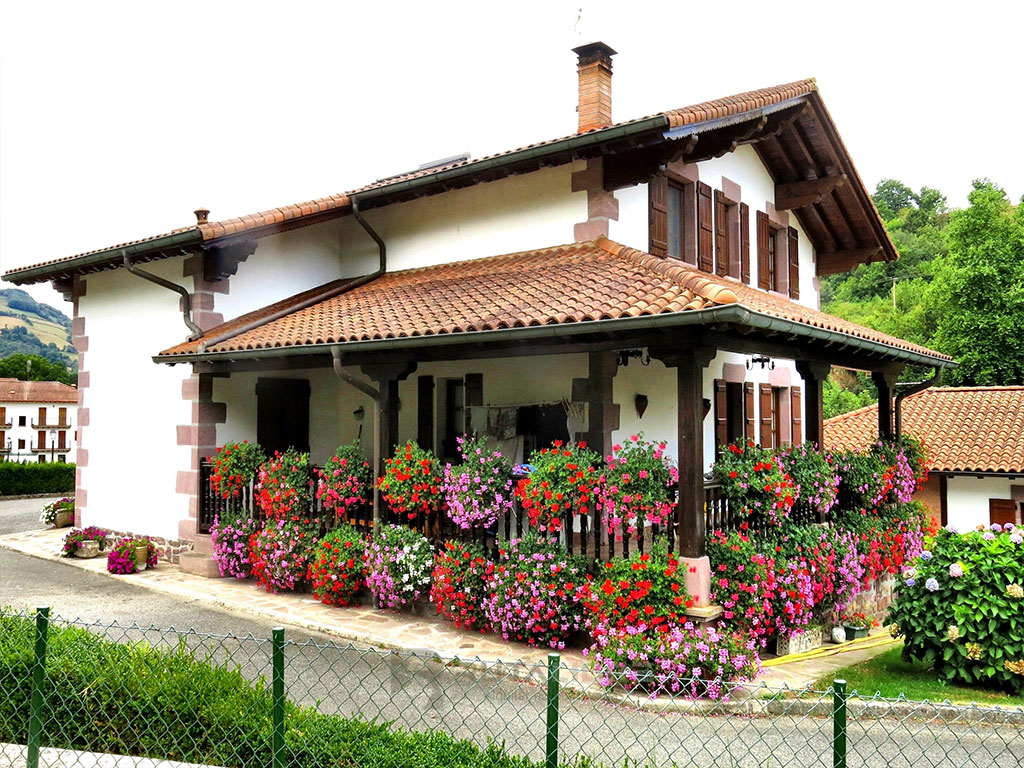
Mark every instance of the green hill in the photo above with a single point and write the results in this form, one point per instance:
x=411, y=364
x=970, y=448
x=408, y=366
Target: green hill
x=30, y=328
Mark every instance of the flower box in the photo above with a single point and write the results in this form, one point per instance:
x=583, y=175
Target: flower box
x=64, y=519
x=855, y=633
x=800, y=642
x=88, y=549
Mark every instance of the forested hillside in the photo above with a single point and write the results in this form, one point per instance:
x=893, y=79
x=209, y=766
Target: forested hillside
x=37, y=332
x=958, y=287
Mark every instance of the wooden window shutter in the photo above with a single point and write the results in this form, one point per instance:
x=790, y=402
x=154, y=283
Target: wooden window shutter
x=721, y=413
x=657, y=194
x=1002, y=511
x=748, y=410
x=764, y=280
x=721, y=235
x=745, y=243
x=793, y=248
x=797, y=415
x=425, y=412
x=767, y=416
x=705, y=233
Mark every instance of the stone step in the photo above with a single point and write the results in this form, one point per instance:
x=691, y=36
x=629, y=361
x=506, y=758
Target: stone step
x=201, y=544
x=199, y=564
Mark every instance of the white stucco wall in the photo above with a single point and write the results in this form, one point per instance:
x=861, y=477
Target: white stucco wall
x=742, y=167
x=967, y=498
x=134, y=405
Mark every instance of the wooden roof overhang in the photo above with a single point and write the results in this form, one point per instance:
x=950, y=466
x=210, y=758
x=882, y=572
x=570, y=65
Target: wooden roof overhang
x=732, y=328
x=795, y=138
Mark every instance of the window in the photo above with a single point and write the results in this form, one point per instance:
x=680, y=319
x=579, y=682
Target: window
x=62, y=458
x=41, y=459
x=42, y=415
x=773, y=274
x=1002, y=511
x=21, y=421
x=793, y=251
x=730, y=412
x=776, y=428
x=672, y=218
x=282, y=414
x=727, y=236
x=21, y=445
x=62, y=416
x=3, y=416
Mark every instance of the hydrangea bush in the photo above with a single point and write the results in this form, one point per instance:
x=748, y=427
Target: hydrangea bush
x=533, y=592
x=230, y=543
x=960, y=607
x=398, y=566
x=284, y=484
x=337, y=568
x=235, y=465
x=634, y=489
x=411, y=483
x=478, y=491
x=459, y=585
x=344, y=483
x=563, y=485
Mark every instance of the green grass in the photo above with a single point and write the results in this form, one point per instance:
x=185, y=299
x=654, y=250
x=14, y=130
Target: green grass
x=890, y=675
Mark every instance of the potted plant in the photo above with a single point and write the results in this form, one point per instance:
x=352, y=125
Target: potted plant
x=60, y=513
x=143, y=551
x=856, y=625
x=84, y=542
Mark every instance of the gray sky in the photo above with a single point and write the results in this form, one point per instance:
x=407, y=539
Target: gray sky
x=118, y=119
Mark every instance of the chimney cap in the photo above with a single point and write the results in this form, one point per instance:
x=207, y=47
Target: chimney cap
x=202, y=215
x=596, y=48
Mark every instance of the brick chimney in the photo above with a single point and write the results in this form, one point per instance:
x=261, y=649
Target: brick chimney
x=595, y=68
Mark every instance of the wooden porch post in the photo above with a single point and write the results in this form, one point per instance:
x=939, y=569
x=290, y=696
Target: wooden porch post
x=813, y=373
x=385, y=420
x=885, y=383
x=596, y=392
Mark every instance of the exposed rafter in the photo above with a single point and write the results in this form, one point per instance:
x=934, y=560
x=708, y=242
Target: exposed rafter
x=800, y=194
x=844, y=261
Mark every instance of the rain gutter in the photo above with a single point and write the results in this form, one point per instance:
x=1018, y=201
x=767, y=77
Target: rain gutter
x=186, y=298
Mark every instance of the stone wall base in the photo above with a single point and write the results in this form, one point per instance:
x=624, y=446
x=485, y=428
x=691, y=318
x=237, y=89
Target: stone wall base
x=874, y=602
x=170, y=549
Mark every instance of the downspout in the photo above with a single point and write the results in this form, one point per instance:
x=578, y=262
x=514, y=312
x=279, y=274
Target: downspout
x=913, y=389
x=186, y=310
x=375, y=394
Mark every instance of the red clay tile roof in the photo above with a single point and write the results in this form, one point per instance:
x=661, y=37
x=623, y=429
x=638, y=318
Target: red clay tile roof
x=17, y=391
x=966, y=429
x=264, y=221
x=591, y=281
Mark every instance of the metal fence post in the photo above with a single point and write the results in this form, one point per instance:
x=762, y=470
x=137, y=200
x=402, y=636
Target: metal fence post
x=35, y=716
x=278, y=692
x=551, y=747
x=839, y=724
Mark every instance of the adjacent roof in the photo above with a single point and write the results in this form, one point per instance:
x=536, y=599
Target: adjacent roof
x=966, y=429
x=802, y=144
x=567, y=284
x=17, y=391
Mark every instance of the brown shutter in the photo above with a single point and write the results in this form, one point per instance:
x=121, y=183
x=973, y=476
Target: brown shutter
x=705, y=234
x=767, y=416
x=721, y=414
x=657, y=194
x=1002, y=511
x=745, y=243
x=793, y=248
x=763, y=278
x=721, y=235
x=425, y=412
x=797, y=415
x=748, y=410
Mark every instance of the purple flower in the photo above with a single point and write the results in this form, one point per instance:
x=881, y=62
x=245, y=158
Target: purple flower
x=1016, y=538
x=932, y=585
x=956, y=570
x=912, y=582
x=926, y=555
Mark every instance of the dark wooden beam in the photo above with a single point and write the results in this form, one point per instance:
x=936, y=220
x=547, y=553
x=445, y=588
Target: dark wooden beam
x=885, y=383
x=834, y=262
x=800, y=194
x=814, y=375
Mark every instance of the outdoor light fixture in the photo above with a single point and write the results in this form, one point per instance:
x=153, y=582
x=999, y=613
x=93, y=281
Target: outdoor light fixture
x=641, y=354
x=641, y=405
x=358, y=413
x=762, y=360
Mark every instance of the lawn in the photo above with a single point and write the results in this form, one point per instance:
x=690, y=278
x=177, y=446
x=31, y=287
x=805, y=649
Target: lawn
x=890, y=675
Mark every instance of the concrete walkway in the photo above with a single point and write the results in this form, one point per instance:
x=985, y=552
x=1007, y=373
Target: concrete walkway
x=366, y=625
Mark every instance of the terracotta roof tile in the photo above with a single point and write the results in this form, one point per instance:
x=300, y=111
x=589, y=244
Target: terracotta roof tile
x=594, y=281
x=966, y=429
x=17, y=391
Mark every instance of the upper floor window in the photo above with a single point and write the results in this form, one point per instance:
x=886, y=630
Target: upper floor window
x=21, y=421
x=778, y=257
x=672, y=217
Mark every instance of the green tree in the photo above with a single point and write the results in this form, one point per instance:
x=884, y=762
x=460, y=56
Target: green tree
x=17, y=367
x=978, y=297
x=892, y=196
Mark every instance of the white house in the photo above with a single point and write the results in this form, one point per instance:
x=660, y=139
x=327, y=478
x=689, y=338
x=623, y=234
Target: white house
x=975, y=441
x=37, y=420
x=640, y=275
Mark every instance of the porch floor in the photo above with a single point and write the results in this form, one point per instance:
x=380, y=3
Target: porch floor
x=382, y=629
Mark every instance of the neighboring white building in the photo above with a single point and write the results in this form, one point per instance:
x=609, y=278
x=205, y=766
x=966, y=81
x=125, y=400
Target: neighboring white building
x=975, y=441
x=37, y=421
x=658, y=274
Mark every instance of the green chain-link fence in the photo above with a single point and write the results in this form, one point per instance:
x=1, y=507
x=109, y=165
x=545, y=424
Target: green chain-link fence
x=82, y=694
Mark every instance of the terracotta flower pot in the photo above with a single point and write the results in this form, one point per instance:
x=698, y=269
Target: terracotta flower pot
x=88, y=549
x=141, y=557
x=64, y=519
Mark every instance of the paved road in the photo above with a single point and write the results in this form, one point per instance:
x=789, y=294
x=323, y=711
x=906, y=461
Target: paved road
x=423, y=694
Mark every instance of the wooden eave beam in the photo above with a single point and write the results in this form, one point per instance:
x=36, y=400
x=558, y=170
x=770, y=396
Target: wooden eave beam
x=801, y=194
x=834, y=262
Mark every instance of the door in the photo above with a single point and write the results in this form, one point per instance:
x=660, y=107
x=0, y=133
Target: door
x=62, y=416
x=42, y=416
x=282, y=414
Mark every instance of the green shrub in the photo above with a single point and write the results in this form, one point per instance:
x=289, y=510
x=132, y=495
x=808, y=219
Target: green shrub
x=18, y=479
x=960, y=608
x=142, y=701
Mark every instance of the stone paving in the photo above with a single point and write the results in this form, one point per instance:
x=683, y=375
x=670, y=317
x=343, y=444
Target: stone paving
x=366, y=625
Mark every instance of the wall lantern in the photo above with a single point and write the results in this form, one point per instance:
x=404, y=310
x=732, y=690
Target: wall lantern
x=359, y=413
x=762, y=360
x=641, y=354
x=641, y=405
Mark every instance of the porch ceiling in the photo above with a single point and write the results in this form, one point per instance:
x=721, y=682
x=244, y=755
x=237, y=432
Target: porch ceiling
x=580, y=290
